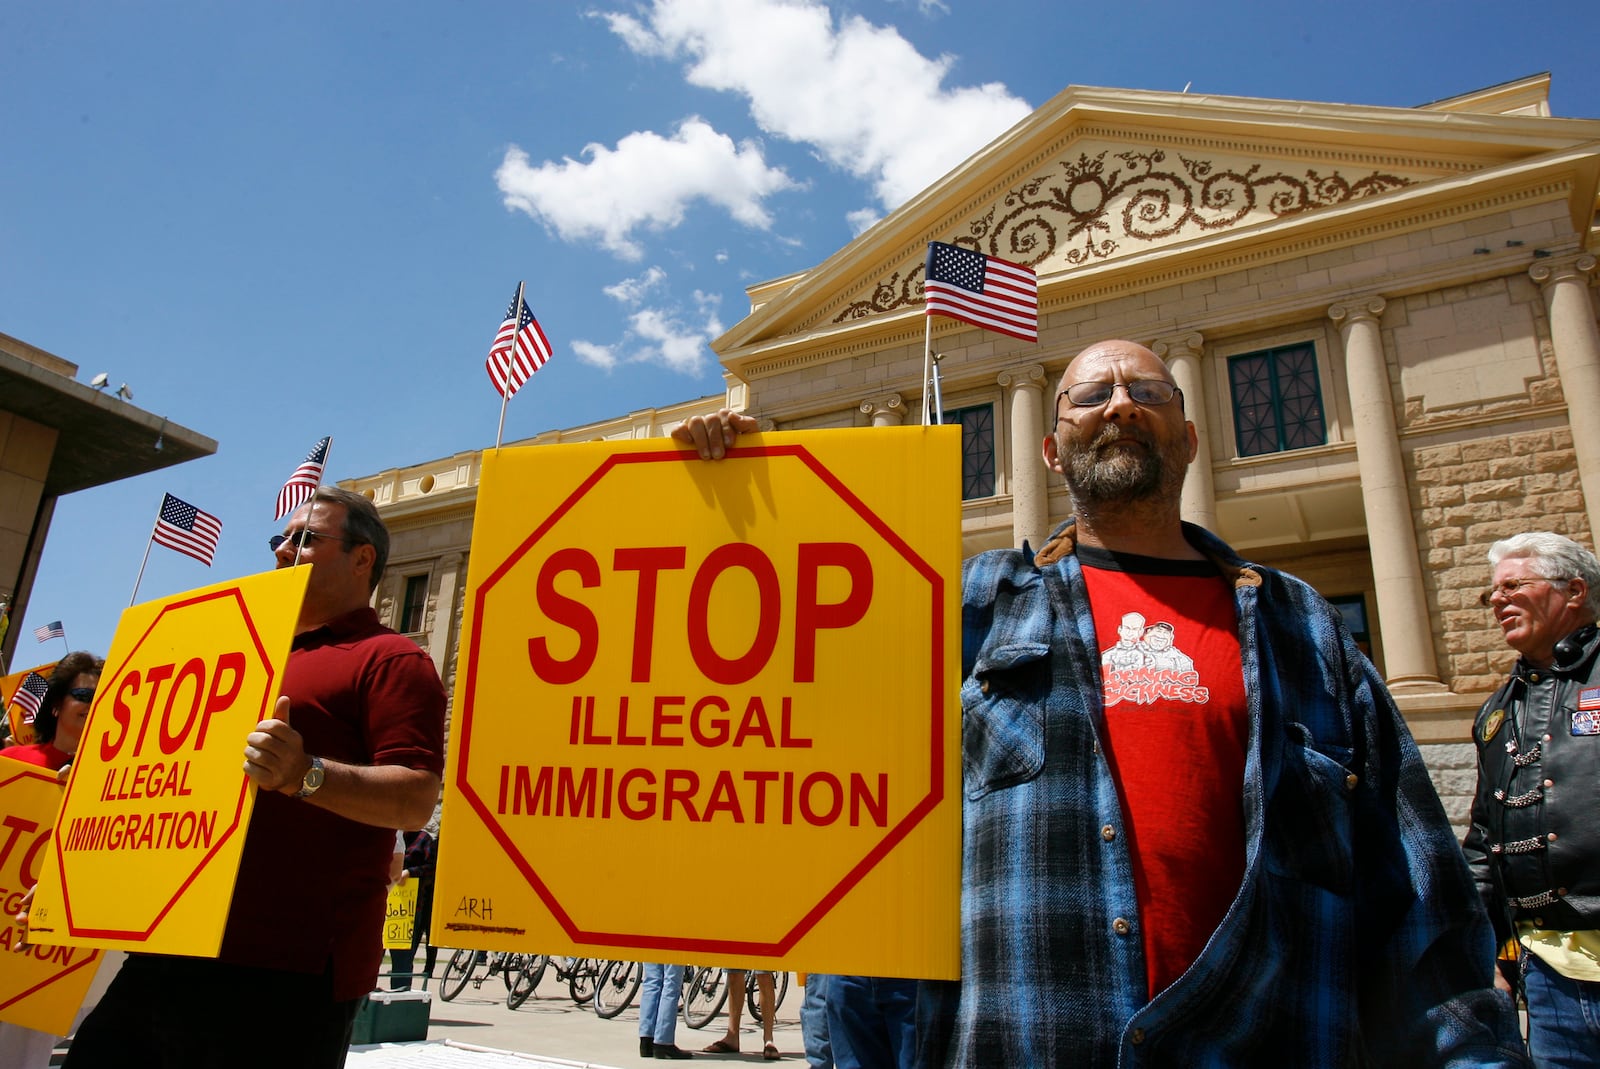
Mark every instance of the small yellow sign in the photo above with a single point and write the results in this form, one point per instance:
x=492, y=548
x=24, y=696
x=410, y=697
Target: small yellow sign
x=158, y=803
x=42, y=986
x=402, y=915
x=745, y=671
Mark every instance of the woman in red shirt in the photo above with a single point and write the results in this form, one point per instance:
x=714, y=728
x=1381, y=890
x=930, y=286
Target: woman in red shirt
x=58, y=724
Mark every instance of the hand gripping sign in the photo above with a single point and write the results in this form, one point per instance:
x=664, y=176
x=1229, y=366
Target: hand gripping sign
x=707, y=711
x=156, y=809
x=42, y=986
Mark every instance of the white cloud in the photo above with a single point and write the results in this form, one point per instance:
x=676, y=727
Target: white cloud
x=667, y=335
x=632, y=290
x=860, y=95
x=646, y=181
x=861, y=219
x=600, y=356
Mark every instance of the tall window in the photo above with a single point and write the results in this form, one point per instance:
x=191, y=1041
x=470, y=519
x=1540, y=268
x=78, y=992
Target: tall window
x=977, y=449
x=415, y=603
x=1277, y=401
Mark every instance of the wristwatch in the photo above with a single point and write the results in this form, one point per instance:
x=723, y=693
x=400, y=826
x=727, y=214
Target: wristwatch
x=312, y=780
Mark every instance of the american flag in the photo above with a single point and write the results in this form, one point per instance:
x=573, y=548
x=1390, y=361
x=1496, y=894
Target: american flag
x=30, y=694
x=187, y=529
x=518, y=350
x=982, y=290
x=50, y=631
x=305, y=480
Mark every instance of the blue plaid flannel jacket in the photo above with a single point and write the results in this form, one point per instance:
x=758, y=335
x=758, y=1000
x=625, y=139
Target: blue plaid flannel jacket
x=1356, y=938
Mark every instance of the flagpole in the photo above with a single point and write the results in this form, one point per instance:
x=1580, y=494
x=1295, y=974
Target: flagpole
x=312, y=500
x=65, y=645
x=927, y=363
x=516, y=328
x=148, y=542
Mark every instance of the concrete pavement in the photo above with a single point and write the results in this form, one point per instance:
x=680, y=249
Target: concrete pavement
x=477, y=1031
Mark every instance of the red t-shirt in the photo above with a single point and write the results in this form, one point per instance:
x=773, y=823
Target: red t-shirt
x=1176, y=734
x=42, y=754
x=312, y=885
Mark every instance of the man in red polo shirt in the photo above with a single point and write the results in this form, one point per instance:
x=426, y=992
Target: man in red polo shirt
x=354, y=751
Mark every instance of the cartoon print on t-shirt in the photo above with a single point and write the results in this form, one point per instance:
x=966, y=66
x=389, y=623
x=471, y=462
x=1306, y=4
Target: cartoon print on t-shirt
x=1145, y=665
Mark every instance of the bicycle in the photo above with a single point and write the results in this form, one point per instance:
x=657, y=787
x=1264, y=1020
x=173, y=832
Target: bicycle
x=616, y=987
x=579, y=974
x=462, y=967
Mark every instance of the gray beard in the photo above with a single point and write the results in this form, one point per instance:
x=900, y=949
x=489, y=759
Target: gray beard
x=1096, y=478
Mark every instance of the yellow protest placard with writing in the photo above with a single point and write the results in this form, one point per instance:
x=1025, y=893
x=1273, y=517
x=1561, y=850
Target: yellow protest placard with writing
x=42, y=986
x=158, y=803
x=708, y=711
x=402, y=915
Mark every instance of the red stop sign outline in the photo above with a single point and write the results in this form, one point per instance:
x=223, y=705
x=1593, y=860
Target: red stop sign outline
x=244, y=781
x=93, y=957
x=857, y=872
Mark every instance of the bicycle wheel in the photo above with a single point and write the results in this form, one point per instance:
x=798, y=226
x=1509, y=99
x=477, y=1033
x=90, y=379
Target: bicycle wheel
x=617, y=987
x=580, y=982
x=752, y=997
x=707, y=993
x=527, y=978
x=510, y=967
x=457, y=971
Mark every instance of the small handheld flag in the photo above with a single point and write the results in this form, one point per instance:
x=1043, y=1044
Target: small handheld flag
x=50, y=631
x=982, y=290
x=518, y=350
x=188, y=530
x=305, y=480
x=30, y=694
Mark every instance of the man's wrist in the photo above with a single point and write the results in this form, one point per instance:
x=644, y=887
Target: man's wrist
x=311, y=781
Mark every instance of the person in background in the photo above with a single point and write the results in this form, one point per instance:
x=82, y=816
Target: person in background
x=1534, y=844
x=62, y=713
x=658, y=1012
x=872, y=1021
x=766, y=992
x=421, y=854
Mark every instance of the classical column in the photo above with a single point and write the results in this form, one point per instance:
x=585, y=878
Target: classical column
x=1391, y=537
x=1030, y=500
x=1576, y=339
x=887, y=410
x=444, y=610
x=1182, y=355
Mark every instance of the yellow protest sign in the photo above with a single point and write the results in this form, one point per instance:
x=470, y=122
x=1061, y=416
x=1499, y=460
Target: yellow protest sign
x=41, y=987
x=158, y=803
x=19, y=714
x=402, y=915
x=708, y=711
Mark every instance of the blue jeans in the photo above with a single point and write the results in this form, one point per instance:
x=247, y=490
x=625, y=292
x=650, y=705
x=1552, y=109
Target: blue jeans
x=814, y=1022
x=872, y=1022
x=658, y=1003
x=1563, y=1017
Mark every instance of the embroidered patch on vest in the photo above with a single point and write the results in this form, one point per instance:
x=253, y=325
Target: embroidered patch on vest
x=1589, y=698
x=1586, y=722
x=1491, y=724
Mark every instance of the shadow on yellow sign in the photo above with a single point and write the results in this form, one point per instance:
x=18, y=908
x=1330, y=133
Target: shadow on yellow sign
x=158, y=802
x=707, y=711
x=43, y=986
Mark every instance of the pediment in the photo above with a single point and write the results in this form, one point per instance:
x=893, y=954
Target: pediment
x=1099, y=176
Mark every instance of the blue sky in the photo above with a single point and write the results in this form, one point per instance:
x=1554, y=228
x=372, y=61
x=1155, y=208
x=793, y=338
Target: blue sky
x=281, y=221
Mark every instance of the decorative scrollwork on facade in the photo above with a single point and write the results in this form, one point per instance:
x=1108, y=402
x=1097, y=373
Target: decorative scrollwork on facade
x=1086, y=209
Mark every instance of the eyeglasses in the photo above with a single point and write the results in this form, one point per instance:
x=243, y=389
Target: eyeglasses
x=1140, y=391
x=1507, y=587
x=298, y=539
x=82, y=694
